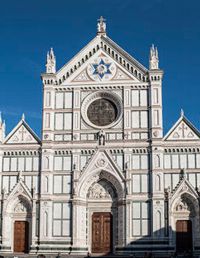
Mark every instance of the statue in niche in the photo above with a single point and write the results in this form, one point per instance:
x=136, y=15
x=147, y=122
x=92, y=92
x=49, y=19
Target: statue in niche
x=101, y=137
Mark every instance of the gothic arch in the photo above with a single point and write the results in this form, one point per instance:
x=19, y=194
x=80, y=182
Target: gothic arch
x=96, y=176
x=18, y=207
x=19, y=198
x=185, y=203
x=185, y=206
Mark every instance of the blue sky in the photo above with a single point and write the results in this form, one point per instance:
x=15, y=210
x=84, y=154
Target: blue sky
x=29, y=28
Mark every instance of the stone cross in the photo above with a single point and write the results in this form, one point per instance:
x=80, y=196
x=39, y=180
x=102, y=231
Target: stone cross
x=22, y=132
x=183, y=127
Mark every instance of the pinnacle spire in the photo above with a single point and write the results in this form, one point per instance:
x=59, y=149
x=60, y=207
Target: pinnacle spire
x=23, y=116
x=51, y=62
x=101, y=26
x=153, y=58
x=182, y=112
x=2, y=128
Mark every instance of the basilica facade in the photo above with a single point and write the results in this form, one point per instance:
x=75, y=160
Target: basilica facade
x=103, y=178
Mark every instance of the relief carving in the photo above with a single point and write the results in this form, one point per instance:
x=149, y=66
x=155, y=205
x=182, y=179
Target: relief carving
x=20, y=208
x=101, y=190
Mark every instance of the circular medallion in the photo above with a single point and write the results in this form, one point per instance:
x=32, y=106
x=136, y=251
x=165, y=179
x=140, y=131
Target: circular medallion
x=101, y=162
x=102, y=69
x=102, y=109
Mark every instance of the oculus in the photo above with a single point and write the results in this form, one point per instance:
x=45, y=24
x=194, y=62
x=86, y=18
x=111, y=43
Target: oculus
x=102, y=112
x=102, y=109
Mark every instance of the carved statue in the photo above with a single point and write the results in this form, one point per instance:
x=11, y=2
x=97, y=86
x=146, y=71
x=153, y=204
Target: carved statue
x=101, y=137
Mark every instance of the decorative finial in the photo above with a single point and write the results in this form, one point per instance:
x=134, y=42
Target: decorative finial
x=182, y=112
x=153, y=58
x=2, y=129
x=23, y=116
x=51, y=62
x=101, y=26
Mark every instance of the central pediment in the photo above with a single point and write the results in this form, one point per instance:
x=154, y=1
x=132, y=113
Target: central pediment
x=101, y=60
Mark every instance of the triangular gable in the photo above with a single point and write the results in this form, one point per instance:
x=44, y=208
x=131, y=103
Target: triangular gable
x=102, y=68
x=20, y=188
x=183, y=186
x=182, y=130
x=22, y=134
x=102, y=159
x=100, y=43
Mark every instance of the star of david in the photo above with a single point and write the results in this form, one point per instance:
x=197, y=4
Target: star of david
x=101, y=68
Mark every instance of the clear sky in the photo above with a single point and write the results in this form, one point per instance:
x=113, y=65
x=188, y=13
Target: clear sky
x=29, y=28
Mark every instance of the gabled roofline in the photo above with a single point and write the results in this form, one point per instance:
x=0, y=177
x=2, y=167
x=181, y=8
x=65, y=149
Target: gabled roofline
x=99, y=39
x=74, y=57
x=125, y=54
x=182, y=118
x=22, y=122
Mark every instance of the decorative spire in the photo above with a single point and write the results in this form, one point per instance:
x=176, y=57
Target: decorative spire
x=2, y=129
x=101, y=26
x=51, y=62
x=23, y=117
x=182, y=112
x=153, y=58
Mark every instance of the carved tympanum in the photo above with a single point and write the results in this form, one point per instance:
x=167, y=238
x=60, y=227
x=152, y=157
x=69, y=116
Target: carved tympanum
x=101, y=190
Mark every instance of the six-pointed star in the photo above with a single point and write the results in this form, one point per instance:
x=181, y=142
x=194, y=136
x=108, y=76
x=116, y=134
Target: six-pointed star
x=101, y=68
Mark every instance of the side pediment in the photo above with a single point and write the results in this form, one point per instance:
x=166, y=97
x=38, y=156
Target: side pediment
x=182, y=130
x=22, y=134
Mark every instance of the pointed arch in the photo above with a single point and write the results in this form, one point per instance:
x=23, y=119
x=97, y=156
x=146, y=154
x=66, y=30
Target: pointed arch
x=96, y=176
x=18, y=200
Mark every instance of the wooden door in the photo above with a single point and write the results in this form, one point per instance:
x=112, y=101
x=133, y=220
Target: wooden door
x=183, y=235
x=101, y=232
x=21, y=236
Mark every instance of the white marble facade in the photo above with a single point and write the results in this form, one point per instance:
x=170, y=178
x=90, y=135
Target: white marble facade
x=85, y=163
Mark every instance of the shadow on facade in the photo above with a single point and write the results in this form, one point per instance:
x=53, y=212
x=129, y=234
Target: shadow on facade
x=162, y=243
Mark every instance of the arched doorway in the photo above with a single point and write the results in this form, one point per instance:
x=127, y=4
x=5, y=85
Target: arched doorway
x=17, y=224
x=99, y=196
x=185, y=217
x=102, y=215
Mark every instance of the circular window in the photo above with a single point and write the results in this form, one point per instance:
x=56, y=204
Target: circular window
x=102, y=112
x=102, y=109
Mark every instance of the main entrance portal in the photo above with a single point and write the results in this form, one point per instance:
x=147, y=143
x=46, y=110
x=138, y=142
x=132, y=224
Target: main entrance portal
x=21, y=236
x=101, y=232
x=183, y=236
